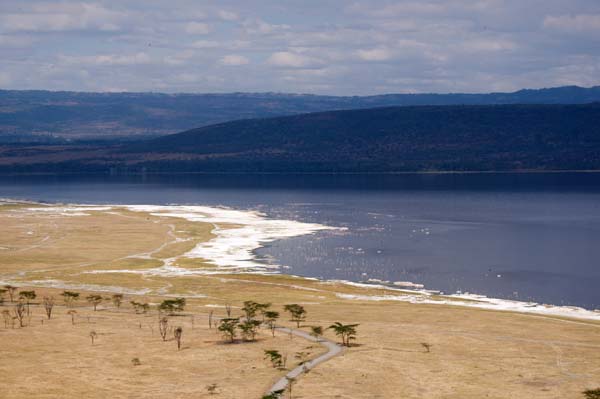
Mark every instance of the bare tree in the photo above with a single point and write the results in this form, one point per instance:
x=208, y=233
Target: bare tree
x=48, y=305
x=7, y=318
x=291, y=381
x=11, y=291
x=210, y=317
x=93, y=336
x=72, y=313
x=140, y=307
x=227, y=309
x=163, y=327
x=19, y=312
x=177, y=333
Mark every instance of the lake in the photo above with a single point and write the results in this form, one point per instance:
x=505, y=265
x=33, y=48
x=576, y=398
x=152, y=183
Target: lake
x=530, y=237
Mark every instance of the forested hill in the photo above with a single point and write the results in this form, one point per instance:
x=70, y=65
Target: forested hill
x=45, y=116
x=392, y=139
x=505, y=137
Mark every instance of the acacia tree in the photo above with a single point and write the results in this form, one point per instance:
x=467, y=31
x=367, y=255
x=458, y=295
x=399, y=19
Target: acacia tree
x=117, y=299
x=249, y=329
x=163, y=327
x=250, y=308
x=316, y=331
x=228, y=328
x=28, y=296
x=346, y=331
x=170, y=306
x=177, y=333
x=70, y=297
x=263, y=308
x=94, y=299
x=11, y=291
x=48, y=305
x=270, y=318
x=274, y=395
x=297, y=312
x=275, y=357
x=139, y=307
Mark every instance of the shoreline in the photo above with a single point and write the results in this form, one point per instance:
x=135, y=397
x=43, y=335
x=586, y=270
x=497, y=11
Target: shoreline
x=231, y=251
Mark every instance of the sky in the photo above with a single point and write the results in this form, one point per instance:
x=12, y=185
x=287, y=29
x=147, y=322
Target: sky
x=309, y=46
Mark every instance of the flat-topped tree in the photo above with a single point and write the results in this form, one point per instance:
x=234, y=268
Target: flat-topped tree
x=297, y=312
x=11, y=291
x=94, y=300
x=70, y=297
x=27, y=296
x=345, y=331
x=171, y=306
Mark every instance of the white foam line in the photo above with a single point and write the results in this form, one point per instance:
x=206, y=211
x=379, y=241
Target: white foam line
x=482, y=302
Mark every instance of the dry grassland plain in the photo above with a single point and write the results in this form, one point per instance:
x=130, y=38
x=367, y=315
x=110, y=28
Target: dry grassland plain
x=474, y=353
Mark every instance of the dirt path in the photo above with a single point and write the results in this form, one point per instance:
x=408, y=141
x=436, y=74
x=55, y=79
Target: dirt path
x=333, y=349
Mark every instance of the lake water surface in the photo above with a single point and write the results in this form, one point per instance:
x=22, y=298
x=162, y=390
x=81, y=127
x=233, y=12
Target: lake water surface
x=517, y=236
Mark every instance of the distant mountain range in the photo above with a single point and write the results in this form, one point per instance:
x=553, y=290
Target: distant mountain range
x=60, y=117
x=390, y=139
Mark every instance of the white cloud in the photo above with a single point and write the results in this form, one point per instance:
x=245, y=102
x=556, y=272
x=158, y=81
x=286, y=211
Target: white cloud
x=107, y=59
x=234, y=60
x=258, y=26
x=58, y=17
x=574, y=23
x=197, y=28
x=14, y=41
x=226, y=15
x=288, y=59
x=483, y=45
x=206, y=44
x=376, y=54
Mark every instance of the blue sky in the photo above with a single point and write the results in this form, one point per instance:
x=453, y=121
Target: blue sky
x=324, y=47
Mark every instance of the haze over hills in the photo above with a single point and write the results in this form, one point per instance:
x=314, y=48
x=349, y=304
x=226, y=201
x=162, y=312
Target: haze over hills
x=57, y=117
x=390, y=139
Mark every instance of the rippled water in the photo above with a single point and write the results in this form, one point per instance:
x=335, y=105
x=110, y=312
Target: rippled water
x=519, y=236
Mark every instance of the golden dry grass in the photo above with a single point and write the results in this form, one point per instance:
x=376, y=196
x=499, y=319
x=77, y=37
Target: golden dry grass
x=474, y=353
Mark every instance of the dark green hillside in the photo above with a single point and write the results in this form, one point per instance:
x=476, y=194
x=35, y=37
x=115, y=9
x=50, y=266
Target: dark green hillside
x=506, y=137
